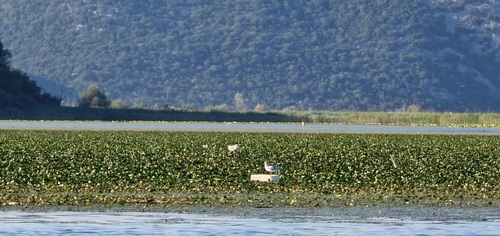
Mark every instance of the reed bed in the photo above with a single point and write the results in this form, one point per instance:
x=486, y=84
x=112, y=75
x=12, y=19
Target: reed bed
x=401, y=118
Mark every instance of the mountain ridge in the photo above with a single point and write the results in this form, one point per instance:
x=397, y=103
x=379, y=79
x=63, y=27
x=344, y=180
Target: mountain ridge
x=323, y=55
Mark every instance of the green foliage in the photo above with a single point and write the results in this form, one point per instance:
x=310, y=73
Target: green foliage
x=112, y=167
x=16, y=88
x=380, y=55
x=5, y=57
x=117, y=104
x=94, y=98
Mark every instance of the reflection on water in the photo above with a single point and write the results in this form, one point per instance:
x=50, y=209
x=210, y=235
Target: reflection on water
x=135, y=223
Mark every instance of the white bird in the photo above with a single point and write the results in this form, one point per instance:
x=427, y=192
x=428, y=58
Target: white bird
x=232, y=148
x=205, y=146
x=270, y=167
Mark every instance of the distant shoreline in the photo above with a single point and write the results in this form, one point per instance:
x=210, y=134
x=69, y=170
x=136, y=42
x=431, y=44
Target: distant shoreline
x=50, y=113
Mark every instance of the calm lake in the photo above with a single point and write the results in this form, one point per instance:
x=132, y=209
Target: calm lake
x=242, y=127
x=356, y=221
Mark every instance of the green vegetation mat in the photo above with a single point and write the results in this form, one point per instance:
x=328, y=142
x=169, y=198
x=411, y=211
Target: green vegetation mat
x=110, y=168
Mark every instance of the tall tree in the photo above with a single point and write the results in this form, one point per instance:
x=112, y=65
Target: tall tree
x=5, y=56
x=93, y=97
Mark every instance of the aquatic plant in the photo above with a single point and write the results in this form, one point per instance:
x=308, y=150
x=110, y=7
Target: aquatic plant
x=175, y=168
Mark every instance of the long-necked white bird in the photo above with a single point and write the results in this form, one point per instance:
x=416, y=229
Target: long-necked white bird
x=270, y=167
x=232, y=148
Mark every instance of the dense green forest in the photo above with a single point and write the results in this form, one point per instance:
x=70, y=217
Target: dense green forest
x=378, y=55
x=17, y=90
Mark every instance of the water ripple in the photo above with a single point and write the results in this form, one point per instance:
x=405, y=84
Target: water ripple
x=135, y=223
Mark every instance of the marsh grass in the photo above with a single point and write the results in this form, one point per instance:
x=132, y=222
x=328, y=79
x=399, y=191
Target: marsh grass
x=402, y=118
x=361, y=118
x=145, y=168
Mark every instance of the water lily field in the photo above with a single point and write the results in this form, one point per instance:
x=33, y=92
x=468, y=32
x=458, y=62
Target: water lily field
x=72, y=168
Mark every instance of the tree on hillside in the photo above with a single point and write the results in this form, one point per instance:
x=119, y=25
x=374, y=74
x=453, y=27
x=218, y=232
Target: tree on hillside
x=16, y=88
x=94, y=98
x=4, y=58
x=239, y=102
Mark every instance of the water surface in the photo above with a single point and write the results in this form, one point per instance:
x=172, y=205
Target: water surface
x=241, y=127
x=157, y=223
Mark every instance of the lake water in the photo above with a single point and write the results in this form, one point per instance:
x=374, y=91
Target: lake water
x=155, y=223
x=242, y=127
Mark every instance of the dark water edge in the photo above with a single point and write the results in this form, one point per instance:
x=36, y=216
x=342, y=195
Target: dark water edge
x=138, y=114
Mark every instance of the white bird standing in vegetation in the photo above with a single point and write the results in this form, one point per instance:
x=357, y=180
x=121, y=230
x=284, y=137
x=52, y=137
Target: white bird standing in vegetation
x=270, y=167
x=232, y=148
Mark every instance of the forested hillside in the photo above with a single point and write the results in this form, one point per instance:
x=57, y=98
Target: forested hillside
x=17, y=90
x=377, y=55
